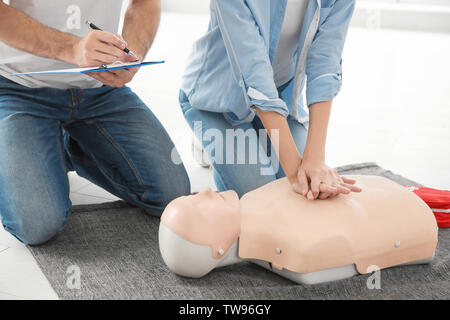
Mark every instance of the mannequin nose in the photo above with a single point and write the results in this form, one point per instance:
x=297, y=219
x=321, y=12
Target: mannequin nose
x=208, y=191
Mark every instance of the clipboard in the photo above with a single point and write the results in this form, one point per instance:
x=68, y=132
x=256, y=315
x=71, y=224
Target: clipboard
x=113, y=66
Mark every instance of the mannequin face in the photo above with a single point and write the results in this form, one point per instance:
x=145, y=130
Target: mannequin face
x=206, y=207
x=210, y=202
x=206, y=218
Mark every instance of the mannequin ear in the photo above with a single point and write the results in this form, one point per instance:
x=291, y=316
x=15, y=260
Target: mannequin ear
x=183, y=257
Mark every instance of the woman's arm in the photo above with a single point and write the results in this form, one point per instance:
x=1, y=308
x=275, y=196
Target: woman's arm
x=324, y=76
x=313, y=173
x=324, y=60
x=243, y=40
x=299, y=172
x=284, y=146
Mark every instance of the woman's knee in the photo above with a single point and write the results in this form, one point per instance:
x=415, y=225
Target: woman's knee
x=242, y=178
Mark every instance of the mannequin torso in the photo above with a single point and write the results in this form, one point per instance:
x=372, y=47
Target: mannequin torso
x=305, y=241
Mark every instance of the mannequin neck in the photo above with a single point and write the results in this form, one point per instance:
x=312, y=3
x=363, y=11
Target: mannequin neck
x=232, y=256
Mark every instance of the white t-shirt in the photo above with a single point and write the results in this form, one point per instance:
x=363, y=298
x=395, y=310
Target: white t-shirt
x=66, y=16
x=283, y=64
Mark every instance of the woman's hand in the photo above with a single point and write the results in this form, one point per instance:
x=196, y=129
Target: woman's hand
x=309, y=176
x=315, y=180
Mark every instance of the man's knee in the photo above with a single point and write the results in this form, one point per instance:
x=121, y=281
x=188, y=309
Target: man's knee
x=180, y=186
x=36, y=228
x=166, y=191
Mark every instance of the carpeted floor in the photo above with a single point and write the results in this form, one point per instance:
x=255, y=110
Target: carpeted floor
x=115, y=247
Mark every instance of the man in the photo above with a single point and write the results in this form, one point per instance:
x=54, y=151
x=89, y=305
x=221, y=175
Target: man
x=92, y=123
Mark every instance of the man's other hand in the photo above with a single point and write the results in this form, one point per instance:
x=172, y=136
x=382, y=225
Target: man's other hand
x=115, y=78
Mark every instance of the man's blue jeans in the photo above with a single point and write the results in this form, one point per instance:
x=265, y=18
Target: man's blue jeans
x=107, y=135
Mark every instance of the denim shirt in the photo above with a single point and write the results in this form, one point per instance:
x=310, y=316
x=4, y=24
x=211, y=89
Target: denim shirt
x=230, y=67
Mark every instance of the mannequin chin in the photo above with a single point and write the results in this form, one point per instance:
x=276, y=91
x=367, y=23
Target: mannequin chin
x=188, y=259
x=305, y=241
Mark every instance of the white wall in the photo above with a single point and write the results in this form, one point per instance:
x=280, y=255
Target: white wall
x=414, y=15
x=187, y=6
x=417, y=15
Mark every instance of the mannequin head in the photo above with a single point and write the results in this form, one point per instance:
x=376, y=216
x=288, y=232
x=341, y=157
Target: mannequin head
x=197, y=231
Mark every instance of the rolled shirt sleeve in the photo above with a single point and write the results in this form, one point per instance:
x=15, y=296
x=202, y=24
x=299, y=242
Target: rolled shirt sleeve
x=324, y=62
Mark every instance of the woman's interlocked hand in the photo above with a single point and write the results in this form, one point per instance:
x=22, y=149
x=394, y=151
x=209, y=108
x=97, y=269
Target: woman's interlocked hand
x=315, y=180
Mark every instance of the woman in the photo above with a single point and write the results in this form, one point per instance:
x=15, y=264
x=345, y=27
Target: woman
x=248, y=73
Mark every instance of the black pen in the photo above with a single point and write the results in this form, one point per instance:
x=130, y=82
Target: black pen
x=126, y=50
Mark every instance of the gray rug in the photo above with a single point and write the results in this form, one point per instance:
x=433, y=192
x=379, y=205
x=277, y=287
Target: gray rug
x=115, y=247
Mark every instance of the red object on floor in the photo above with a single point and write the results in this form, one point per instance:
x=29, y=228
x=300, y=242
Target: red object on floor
x=438, y=201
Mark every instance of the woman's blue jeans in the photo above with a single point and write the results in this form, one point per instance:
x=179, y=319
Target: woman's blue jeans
x=107, y=135
x=248, y=175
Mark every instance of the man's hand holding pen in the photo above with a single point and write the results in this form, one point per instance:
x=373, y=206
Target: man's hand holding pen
x=101, y=47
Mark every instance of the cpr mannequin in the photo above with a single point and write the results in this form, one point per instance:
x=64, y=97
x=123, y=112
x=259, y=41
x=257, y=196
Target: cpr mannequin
x=306, y=241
